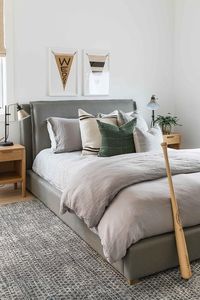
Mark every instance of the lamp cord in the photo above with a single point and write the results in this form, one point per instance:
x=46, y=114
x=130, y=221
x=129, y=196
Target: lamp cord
x=6, y=122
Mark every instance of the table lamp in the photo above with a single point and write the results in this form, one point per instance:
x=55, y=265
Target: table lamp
x=153, y=105
x=21, y=114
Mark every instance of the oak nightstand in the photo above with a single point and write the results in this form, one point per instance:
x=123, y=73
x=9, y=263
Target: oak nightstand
x=173, y=140
x=13, y=166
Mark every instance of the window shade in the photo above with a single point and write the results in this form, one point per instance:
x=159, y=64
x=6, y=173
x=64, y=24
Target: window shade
x=2, y=45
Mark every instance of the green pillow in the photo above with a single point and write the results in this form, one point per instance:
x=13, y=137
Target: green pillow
x=116, y=140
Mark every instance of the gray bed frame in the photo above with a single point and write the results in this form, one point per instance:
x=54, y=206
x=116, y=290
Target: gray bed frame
x=147, y=256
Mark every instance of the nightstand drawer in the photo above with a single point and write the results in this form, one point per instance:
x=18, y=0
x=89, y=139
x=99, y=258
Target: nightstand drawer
x=10, y=155
x=172, y=139
x=13, y=166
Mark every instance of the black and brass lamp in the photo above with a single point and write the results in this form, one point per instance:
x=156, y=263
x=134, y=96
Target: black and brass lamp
x=21, y=114
x=153, y=105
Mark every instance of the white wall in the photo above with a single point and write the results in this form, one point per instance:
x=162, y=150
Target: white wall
x=138, y=33
x=187, y=69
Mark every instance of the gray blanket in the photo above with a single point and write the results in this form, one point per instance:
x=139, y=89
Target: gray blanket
x=100, y=182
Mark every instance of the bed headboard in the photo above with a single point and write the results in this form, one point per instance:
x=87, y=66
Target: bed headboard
x=33, y=131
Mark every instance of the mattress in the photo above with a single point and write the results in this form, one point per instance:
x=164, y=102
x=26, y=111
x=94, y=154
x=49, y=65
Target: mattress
x=57, y=168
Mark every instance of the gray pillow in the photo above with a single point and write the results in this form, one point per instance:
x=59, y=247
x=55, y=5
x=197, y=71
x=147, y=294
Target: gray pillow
x=127, y=117
x=64, y=134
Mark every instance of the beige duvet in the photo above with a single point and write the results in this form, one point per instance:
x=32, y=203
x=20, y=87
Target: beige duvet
x=126, y=197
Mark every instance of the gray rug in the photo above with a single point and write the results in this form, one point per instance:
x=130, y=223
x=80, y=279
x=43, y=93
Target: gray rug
x=41, y=258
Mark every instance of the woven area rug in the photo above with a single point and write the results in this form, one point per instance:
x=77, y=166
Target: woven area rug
x=42, y=258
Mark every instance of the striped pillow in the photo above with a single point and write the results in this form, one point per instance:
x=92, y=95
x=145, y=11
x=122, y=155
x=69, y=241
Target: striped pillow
x=90, y=134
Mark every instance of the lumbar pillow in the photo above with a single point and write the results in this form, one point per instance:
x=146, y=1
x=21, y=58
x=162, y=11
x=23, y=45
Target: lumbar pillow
x=64, y=134
x=146, y=141
x=116, y=140
x=126, y=117
x=90, y=134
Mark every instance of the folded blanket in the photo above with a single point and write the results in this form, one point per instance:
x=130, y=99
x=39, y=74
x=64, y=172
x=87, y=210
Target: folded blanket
x=95, y=186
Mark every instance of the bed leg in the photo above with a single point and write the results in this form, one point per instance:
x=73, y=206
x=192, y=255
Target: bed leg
x=133, y=281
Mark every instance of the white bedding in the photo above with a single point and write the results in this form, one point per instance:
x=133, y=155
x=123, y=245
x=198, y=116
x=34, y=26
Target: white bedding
x=56, y=168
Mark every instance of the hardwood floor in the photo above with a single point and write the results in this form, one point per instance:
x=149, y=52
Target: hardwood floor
x=10, y=195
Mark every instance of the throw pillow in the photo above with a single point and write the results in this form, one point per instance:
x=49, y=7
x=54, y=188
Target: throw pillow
x=90, y=134
x=112, y=114
x=146, y=141
x=116, y=140
x=64, y=134
x=126, y=117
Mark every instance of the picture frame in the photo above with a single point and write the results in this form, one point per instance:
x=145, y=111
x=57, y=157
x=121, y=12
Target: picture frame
x=96, y=72
x=63, y=72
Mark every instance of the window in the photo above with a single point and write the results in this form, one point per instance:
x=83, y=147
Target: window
x=2, y=58
x=2, y=82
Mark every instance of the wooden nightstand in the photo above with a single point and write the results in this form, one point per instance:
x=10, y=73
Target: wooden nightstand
x=13, y=166
x=173, y=140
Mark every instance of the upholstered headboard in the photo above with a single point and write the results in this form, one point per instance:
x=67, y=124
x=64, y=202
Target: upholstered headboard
x=34, y=133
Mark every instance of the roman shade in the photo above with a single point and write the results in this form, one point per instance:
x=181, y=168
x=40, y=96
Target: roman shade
x=2, y=45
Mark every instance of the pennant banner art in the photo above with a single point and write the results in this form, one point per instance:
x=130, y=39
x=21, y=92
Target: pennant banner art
x=97, y=62
x=64, y=63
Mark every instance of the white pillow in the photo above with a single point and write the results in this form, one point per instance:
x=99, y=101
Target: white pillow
x=146, y=141
x=90, y=134
x=127, y=117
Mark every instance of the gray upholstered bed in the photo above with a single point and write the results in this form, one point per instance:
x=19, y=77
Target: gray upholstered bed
x=145, y=257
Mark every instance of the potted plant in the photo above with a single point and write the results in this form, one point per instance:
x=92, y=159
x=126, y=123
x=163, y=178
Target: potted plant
x=166, y=123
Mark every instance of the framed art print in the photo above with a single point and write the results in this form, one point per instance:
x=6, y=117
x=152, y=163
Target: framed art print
x=96, y=72
x=63, y=65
